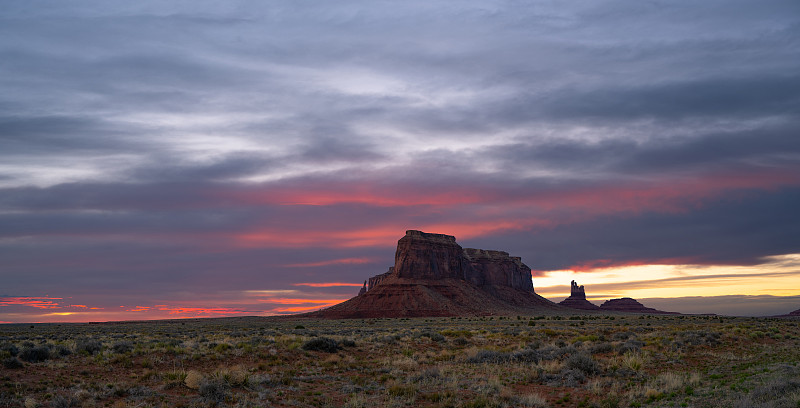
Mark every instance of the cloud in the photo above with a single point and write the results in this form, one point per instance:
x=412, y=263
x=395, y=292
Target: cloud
x=37, y=302
x=222, y=143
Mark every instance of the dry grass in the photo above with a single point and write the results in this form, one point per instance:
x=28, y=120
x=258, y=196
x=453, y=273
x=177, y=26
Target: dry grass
x=193, y=379
x=588, y=361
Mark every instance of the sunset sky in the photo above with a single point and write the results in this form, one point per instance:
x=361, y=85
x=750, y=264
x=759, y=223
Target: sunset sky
x=212, y=158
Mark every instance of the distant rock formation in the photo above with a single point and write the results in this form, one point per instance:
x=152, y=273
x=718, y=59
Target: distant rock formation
x=795, y=313
x=630, y=306
x=577, y=299
x=434, y=276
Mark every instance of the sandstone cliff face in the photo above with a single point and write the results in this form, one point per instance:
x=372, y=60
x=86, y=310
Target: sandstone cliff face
x=421, y=255
x=497, y=268
x=577, y=299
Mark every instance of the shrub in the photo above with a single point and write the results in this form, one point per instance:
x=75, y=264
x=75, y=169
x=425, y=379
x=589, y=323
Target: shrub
x=622, y=335
x=12, y=363
x=323, y=344
x=60, y=401
x=427, y=374
x=774, y=390
x=62, y=350
x=214, y=390
x=221, y=347
x=122, y=347
x=568, y=377
x=460, y=341
x=35, y=354
x=630, y=346
x=88, y=346
x=488, y=356
x=583, y=363
x=526, y=356
x=602, y=348
x=10, y=348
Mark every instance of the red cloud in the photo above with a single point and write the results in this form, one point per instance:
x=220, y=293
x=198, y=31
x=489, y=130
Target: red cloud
x=343, y=261
x=289, y=301
x=197, y=311
x=482, y=209
x=644, y=191
x=385, y=235
x=37, y=302
x=299, y=309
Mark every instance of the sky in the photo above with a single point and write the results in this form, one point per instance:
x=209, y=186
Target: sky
x=205, y=159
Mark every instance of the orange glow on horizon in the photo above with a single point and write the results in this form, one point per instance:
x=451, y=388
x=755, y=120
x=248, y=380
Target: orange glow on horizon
x=779, y=276
x=327, y=284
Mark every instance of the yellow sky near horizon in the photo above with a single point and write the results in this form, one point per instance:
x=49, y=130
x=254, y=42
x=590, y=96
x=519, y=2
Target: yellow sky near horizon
x=779, y=276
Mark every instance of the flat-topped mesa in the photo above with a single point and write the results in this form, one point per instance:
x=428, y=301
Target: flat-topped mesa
x=498, y=268
x=427, y=256
x=629, y=305
x=421, y=255
x=433, y=276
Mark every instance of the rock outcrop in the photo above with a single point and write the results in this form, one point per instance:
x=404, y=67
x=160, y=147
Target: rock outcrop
x=577, y=299
x=377, y=279
x=497, y=268
x=422, y=255
x=629, y=305
x=434, y=276
x=795, y=313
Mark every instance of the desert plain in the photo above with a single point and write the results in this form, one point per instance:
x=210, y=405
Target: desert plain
x=544, y=360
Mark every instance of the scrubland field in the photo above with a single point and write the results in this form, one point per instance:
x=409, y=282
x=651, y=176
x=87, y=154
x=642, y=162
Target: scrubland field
x=516, y=361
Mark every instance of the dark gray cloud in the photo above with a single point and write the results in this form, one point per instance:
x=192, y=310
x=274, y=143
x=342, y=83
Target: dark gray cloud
x=705, y=98
x=738, y=229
